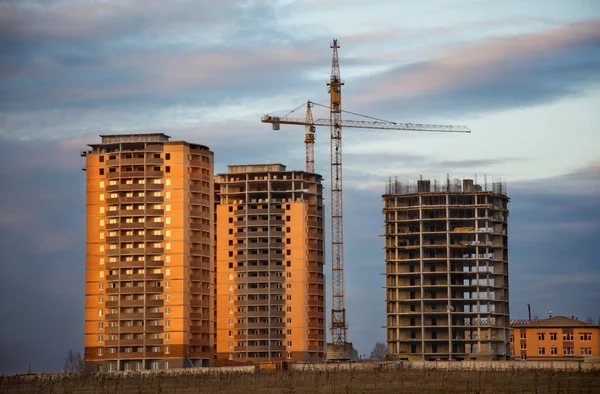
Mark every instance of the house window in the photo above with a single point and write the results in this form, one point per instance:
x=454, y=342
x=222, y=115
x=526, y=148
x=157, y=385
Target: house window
x=586, y=351
x=568, y=351
x=523, y=335
x=585, y=336
x=553, y=336
x=541, y=336
x=541, y=351
x=553, y=351
x=523, y=346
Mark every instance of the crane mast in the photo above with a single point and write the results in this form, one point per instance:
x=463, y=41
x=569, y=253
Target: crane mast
x=339, y=327
x=309, y=139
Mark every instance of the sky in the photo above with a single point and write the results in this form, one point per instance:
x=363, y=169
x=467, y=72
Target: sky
x=524, y=76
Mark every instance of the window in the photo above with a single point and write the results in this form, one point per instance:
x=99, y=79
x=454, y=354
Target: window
x=289, y=343
x=167, y=156
x=568, y=336
x=167, y=310
x=101, y=171
x=168, y=169
x=100, y=312
x=167, y=336
x=166, y=364
x=167, y=350
x=553, y=351
x=100, y=299
x=100, y=325
x=99, y=351
x=586, y=351
x=553, y=336
x=523, y=346
x=100, y=338
x=541, y=351
x=568, y=351
x=585, y=336
x=512, y=338
x=541, y=336
x=523, y=335
x=100, y=287
x=167, y=323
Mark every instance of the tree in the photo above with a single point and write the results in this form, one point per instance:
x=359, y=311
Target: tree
x=589, y=320
x=379, y=352
x=74, y=362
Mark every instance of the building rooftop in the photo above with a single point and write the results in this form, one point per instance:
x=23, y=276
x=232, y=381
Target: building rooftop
x=554, y=321
x=150, y=137
x=446, y=186
x=243, y=168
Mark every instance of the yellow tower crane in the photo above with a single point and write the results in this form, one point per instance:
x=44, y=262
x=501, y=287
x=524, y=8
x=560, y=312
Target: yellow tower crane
x=339, y=349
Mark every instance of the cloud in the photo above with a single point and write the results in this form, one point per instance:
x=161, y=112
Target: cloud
x=509, y=72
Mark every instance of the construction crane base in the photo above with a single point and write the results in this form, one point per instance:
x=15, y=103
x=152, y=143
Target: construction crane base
x=339, y=352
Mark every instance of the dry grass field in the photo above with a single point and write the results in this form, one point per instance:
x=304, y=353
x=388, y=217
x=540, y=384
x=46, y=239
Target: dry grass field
x=313, y=382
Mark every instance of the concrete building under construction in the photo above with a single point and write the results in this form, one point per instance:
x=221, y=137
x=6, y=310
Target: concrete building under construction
x=446, y=255
x=269, y=262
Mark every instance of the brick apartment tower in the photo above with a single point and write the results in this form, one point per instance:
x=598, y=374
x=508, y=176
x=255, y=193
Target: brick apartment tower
x=446, y=273
x=149, y=255
x=270, y=256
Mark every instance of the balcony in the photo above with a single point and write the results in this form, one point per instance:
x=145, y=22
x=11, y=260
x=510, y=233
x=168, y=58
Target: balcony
x=154, y=160
x=130, y=238
x=130, y=316
x=132, y=355
x=199, y=342
x=154, y=186
x=155, y=263
x=131, y=342
x=125, y=329
x=127, y=290
x=154, y=174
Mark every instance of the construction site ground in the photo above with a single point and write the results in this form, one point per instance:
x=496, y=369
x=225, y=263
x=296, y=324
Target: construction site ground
x=375, y=380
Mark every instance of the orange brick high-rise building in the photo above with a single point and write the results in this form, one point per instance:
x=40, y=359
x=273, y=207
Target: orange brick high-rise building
x=149, y=255
x=269, y=263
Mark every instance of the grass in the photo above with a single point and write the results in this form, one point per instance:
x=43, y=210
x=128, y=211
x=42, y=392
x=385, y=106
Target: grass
x=314, y=382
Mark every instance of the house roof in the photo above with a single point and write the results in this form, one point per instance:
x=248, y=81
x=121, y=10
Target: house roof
x=554, y=321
